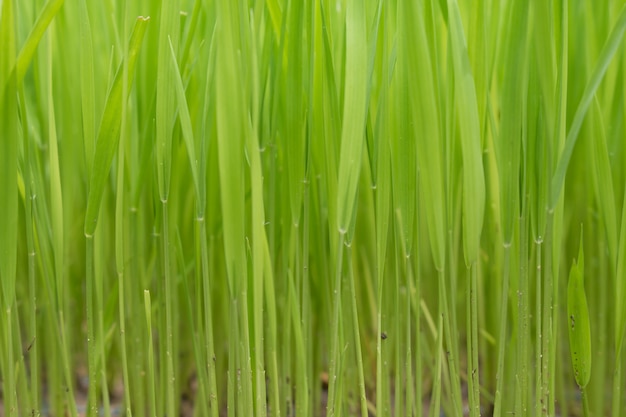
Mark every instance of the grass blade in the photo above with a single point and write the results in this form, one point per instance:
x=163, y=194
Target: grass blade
x=578, y=315
x=467, y=108
x=27, y=52
x=353, y=128
x=8, y=154
x=109, y=131
x=613, y=43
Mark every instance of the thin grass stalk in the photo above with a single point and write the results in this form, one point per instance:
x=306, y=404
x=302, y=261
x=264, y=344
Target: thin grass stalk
x=302, y=388
x=436, y=394
x=259, y=237
x=11, y=405
x=408, y=356
x=33, y=349
x=150, y=360
x=119, y=228
x=58, y=235
x=538, y=321
x=555, y=308
x=382, y=219
x=92, y=400
x=168, y=289
x=497, y=408
x=271, y=351
x=600, y=387
x=335, y=364
x=417, y=295
x=546, y=315
x=472, y=341
x=213, y=400
x=24, y=400
x=29, y=220
x=202, y=377
x=585, y=400
x=398, y=330
x=119, y=244
x=99, y=263
x=523, y=330
x=452, y=357
x=305, y=300
x=617, y=385
x=619, y=319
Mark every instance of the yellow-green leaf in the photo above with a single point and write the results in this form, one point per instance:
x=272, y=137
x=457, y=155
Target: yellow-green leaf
x=8, y=153
x=578, y=321
x=109, y=132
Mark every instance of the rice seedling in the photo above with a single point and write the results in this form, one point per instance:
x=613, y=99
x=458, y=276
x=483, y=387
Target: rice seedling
x=312, y=207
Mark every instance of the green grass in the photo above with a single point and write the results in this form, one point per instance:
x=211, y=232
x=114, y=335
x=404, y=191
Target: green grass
x=286, y=207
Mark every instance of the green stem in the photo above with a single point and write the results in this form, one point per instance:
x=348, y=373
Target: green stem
x=398, y=332
x=410, y=390
x=208, y=320
x=546, y=328
x=418, y=339
x=523, y=330
x=122, y=313
x=538, y=321
x=10, y=397
x=334, y=353
x=472, y=341
x=66, y=368
x=92, y=405
x=617, y=386
x=585, y=399
x=451, y=351
x=150, y=373
x=497, y=409
x=169, y=289
x=357, y=341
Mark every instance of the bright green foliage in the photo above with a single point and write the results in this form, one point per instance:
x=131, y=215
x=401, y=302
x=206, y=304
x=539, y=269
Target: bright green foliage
x=108, y=134
x=318, y=207
x=8, y=153
x=355, y=106
x=469, y=124
x=578, y=314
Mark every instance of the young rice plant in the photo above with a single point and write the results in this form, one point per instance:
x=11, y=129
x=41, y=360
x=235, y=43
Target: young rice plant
x=312, y=208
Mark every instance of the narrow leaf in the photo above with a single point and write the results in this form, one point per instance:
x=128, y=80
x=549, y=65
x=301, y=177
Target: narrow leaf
x=578, y=321
x=185, y=121
x=608, y=52
x=27, y=52
x=8, y=153
x=353, y=129
x=467, y=110
x=109, y=132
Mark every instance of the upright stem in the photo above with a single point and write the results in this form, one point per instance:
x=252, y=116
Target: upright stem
x=171, y=378
x=523, y=330
x=585, y=398
x=208, y=321
x=497, y=409
x=122, y=313
x=617, y=386
x=546, y=328
x=451, y=351
x=418, y=337
x=92, y=406
x=472, y=341
x=410, y=399
x=538, y=321
x=334, y=353
x=150, y=373
x=10, y=393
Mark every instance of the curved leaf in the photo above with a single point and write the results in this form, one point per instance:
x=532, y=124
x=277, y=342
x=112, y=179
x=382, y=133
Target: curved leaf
x=109, y=132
